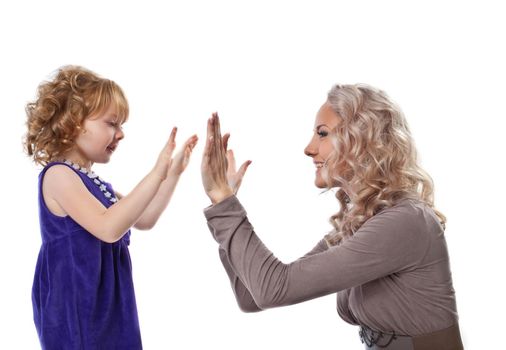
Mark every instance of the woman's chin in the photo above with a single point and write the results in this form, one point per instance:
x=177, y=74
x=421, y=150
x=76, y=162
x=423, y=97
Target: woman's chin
x=319, y=183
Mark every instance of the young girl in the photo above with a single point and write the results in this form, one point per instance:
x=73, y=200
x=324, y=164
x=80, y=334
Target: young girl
x=83, y=295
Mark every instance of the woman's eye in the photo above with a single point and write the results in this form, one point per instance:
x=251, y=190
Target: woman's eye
x=322, y=133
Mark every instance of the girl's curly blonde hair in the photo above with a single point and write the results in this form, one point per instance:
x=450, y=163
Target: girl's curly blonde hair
x=56, y=117
x=376, y=158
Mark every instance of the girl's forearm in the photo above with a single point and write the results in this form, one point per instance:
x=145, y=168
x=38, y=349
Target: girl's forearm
x=159, y=203
x=126, y=212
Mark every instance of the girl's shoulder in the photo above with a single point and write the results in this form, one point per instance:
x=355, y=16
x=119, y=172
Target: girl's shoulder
x=59, y=170
x=57, y=166
x=56, y=178
x=60, y=174
x=64, y=176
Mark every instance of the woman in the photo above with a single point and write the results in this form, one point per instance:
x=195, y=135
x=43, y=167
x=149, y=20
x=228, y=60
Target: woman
x=386, y=257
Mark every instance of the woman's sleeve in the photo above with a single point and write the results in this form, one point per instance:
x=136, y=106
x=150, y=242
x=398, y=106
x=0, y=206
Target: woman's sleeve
x=387, y=243
x=242, y=295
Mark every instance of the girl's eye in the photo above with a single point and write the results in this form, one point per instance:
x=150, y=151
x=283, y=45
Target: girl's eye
x=113, y=124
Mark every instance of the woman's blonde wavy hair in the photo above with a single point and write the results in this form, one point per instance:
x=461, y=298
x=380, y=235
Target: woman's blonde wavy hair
x=56, y=117
x=374, y=161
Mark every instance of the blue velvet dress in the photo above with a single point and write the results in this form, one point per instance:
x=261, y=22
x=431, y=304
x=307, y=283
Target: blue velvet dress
x=83, y=294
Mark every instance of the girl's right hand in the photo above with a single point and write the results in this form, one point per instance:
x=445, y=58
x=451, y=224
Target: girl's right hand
x=182, y=158
x=164, y=160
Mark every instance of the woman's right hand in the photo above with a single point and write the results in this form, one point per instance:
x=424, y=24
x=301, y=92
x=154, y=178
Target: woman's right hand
x=234, y=177
x=164, y=160
x=219, y=176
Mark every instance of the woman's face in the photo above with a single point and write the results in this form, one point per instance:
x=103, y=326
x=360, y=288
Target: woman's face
x=320, y=147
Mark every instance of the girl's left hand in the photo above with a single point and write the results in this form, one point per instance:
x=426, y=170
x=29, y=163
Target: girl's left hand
x=215, y=164
x=182, y=158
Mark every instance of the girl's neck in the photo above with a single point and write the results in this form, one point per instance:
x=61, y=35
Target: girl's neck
x=79, y=159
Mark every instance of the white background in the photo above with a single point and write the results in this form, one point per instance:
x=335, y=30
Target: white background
x=266, y=67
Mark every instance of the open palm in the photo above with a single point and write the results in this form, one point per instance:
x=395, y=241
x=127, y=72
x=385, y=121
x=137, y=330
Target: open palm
x=234, y=177
x=219, y=175
x=182, y=158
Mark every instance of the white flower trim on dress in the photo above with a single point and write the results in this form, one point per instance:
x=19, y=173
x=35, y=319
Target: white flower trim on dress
x=96, y=179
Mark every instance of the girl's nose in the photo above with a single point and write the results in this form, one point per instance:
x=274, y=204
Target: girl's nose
x=120, y=134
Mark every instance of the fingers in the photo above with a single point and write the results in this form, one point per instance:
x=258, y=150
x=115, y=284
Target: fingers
x=171, y=142
x=166, y=153
x=216, y=124
x=209, y=127
x=232, y=164
x=189, y=145
x=182, y=158
x=225, y=139
x=172, y=137
x=243, y=168
x=214, y=156
x=191, y=142
x=209, y=138
x=231, y=160
x=217, y=150
x=216, y=131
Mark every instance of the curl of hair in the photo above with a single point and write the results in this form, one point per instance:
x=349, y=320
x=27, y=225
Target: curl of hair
x=55, y=118
x=374, y=162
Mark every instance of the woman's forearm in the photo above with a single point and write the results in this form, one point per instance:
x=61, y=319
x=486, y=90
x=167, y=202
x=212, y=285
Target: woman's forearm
x=242, y=294
x=259, y=279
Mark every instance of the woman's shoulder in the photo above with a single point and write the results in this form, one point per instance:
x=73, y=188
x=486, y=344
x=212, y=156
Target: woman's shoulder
x=407, y=228
x=412, y=213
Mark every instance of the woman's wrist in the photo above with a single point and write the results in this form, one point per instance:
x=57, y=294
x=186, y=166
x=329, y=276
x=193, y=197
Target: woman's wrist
x=220, y=195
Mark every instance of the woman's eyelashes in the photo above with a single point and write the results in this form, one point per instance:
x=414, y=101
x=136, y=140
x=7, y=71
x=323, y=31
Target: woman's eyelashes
x=322, y=133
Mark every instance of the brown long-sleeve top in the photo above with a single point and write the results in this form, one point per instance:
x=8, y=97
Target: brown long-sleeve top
x=393, y=274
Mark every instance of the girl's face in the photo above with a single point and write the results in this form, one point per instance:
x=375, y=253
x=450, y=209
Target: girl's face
x=320, y=147
x=100, y=138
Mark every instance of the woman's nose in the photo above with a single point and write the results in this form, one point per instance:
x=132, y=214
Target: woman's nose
x=310, y=149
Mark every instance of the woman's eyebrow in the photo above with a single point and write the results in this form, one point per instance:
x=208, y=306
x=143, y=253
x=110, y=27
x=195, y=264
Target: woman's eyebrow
x=318, y=127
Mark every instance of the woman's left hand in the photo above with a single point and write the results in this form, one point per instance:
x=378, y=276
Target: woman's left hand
x=215, y=164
